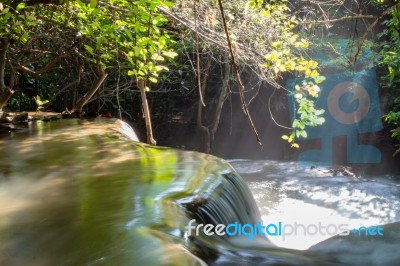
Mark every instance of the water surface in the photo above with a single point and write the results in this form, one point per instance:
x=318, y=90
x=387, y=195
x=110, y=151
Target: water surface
x=294, y=192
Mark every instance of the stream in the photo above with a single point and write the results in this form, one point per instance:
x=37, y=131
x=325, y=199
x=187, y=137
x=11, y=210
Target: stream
x=298, y=192
x=76, y=192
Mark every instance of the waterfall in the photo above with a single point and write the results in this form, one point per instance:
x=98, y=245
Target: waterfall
x=73, y=193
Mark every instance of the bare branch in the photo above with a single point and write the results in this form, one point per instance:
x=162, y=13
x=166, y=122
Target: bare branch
x=369, y=29
x=360, y=16
x=236, y=71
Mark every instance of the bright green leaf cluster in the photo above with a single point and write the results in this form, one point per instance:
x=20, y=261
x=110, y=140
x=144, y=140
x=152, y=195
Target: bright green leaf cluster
x=129, y=32
x=307, y=115
x=284, y=57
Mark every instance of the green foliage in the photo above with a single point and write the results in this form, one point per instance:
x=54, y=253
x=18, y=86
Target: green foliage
x=394, y=118
x=40, y=103
x=285, y=56
x=21, y=102
x=130, y=28
x=390, y=53
x=390, y=59
x=18, y=22
x=306, y=115
x=85, y=38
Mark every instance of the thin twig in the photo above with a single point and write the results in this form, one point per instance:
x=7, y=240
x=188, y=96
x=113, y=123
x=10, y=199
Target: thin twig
x=236, y=71
x=198, y=57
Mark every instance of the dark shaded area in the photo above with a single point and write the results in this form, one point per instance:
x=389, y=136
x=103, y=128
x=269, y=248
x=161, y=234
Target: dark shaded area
x=234, y=138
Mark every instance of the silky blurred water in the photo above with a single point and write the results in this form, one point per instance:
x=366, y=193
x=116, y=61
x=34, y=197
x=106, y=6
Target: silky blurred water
x=79, y=192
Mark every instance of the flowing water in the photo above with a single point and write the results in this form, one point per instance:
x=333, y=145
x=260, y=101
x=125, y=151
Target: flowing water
x=78, y=192
x=316, y=197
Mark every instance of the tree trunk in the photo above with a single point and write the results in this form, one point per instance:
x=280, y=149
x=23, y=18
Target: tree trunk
x=85, y=98
x=221, y=99
x=5, y=91
x=146, y=113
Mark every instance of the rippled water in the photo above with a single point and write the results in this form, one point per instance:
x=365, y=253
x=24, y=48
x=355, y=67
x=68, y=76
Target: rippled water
x=297, y=193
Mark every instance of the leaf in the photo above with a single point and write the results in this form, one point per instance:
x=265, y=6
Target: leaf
x=265, y=12
x=89, y=49
x=167, y=3
x=319, y=121
x=170, y=54
x=161, y=68
x=153, y=80
x=93, y=3
x=313, y=64
x=7, y=16
x=24, y=37
x=21, y=6
x=129, y=34
x=298, y=96
x=157, y=57
x=295, y=145
x=285, y=137
x=319, y=79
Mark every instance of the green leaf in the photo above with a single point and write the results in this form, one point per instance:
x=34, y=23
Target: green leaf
x=7, y=16
x=170, y=54
x=153, y=80
x=319, y=79
x=161, y=68
x=131, y=72
x=157, y=57
x=89, y=49
x=295, y=145
x=93, y=3
x=167, y=3
x=21, y=6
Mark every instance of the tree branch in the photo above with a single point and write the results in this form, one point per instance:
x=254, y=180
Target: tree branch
x=360, y=16
x=49, y=65
x=236, y=71
x=88, y=95
x=364, y=37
